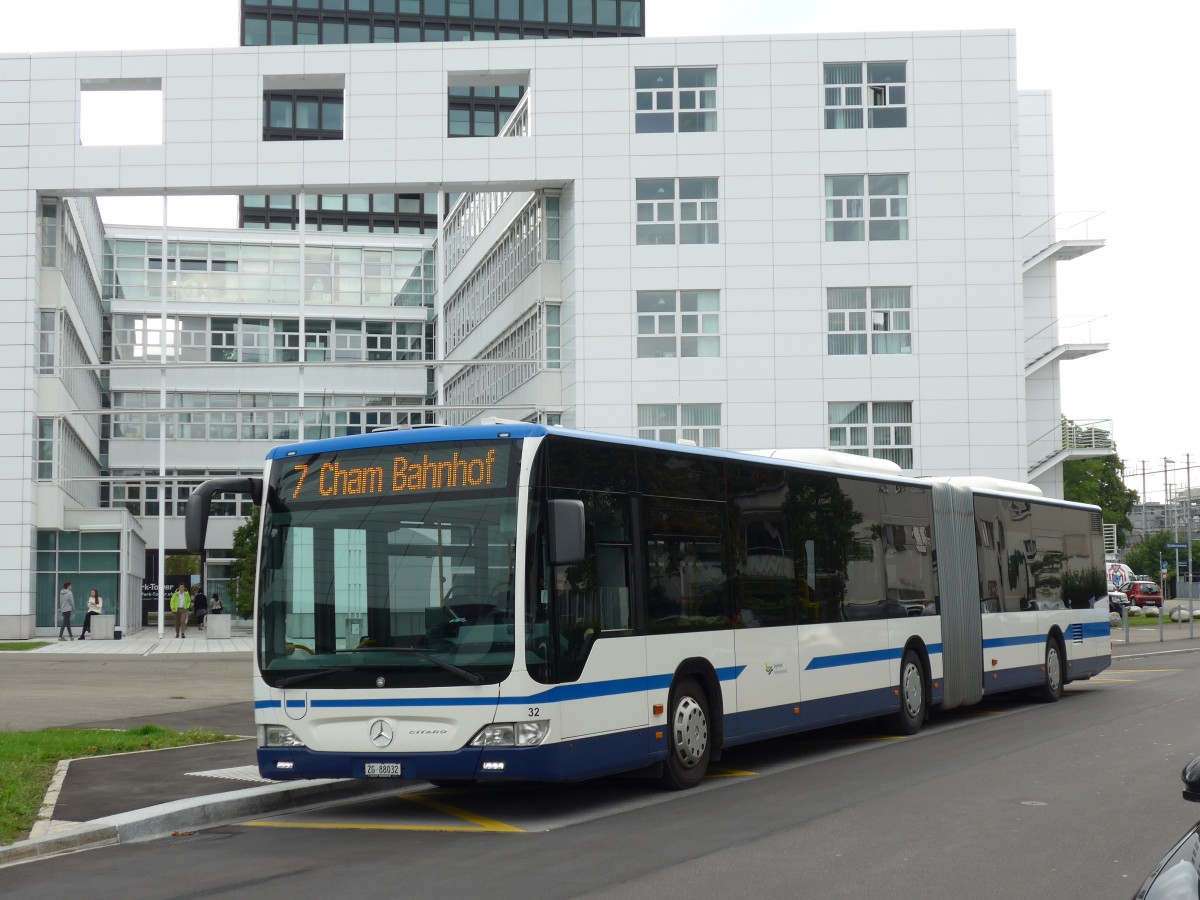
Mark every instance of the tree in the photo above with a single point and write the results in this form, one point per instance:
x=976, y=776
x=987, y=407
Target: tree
x=1100, y=481
x=241, y=570
x=181, y=566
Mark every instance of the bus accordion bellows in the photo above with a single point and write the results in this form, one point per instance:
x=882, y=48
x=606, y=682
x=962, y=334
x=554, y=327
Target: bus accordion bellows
x=516, y=602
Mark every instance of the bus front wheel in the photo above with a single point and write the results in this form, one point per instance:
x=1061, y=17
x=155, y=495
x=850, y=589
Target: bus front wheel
x=689, y=737
x=1052, y=687
x=911, y=716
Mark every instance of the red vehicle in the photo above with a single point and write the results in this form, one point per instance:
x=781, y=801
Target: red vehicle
x=1143, y=593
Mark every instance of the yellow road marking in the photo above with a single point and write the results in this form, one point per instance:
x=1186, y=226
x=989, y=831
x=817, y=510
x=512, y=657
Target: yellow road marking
x=1140, y=671
x=480, y=824
x=1114, y=681
x=716, y=772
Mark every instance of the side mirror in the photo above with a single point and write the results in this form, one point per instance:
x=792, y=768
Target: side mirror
x=566, y=523
x=1191, y=781
x=199, y=505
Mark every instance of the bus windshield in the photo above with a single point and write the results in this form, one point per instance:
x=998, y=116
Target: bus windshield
x=390, y=565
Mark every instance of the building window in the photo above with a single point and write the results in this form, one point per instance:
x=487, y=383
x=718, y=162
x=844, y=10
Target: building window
x=696, y=214
x=49, y=234
x=882, y=430
x=47, y=341
x=553, y=225
x=302, y=115
x=678, y=323
x=879, y=215
x=888, y=310
x=45, y=450
x=668, y=99
x=553, y=340
x=884, y=99
x=697, y=423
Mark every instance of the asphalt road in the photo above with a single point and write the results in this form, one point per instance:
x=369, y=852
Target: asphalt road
x=1012, y=799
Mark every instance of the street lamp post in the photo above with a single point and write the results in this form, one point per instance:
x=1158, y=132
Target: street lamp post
x=1166, y=501
x=1188, y=525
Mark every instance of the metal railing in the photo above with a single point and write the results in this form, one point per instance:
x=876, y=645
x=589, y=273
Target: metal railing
x=1071, y=434
x=1065, y=331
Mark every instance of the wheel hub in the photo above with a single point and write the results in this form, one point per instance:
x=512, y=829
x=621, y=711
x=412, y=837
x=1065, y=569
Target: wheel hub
x=690, y=732
x=914, y=691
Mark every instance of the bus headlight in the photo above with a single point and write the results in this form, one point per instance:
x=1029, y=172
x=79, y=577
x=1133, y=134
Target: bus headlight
x=277, y=736
x=511, y=734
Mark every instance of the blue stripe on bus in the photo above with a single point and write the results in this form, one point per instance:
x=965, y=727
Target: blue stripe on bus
x=561, y=692
x=1016, y=641
x=863, y=656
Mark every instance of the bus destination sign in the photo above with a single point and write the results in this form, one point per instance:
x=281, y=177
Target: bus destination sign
x=392, y=471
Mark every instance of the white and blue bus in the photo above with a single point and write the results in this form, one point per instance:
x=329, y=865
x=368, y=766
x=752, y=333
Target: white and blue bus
x=517, y=602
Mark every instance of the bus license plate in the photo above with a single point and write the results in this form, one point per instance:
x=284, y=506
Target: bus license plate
x=383, y=770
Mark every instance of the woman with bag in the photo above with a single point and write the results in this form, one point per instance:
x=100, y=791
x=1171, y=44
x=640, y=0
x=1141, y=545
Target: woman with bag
x=94, y=605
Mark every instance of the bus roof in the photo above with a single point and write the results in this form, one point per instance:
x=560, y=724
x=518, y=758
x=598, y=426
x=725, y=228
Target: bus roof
x=824, y=461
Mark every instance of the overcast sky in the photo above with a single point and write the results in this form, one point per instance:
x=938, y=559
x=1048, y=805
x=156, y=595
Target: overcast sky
x=1120, y=76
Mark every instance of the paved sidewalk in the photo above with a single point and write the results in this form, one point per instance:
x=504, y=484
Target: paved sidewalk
x=147, y=641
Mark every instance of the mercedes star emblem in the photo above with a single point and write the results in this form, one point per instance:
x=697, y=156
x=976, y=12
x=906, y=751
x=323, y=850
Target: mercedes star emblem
x=381, y=733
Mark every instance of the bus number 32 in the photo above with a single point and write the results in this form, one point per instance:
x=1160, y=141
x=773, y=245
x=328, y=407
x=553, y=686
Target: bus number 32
x=534, y=712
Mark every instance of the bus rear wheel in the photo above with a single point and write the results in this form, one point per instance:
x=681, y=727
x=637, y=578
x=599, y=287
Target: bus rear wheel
x=911, y=715
x=689, y=737
x=1052, y=686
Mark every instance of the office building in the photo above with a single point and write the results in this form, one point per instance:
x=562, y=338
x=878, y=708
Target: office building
x=845, y=242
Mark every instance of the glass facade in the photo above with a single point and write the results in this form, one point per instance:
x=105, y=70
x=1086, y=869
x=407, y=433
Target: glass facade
x=211, y=272
x=87, y=560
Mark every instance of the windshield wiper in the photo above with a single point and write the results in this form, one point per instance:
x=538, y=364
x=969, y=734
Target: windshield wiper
x=469, y=677
x=321, y=673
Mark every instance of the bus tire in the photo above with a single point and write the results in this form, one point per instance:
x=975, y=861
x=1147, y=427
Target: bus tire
x=689, y=736
x=1052, y=685
x=914, y=699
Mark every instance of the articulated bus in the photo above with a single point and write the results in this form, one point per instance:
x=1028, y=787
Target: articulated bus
x=517, y=602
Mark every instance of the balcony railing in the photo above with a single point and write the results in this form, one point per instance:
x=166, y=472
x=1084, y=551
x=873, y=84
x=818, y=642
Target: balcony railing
x=1083, y=438
x=1064, y=332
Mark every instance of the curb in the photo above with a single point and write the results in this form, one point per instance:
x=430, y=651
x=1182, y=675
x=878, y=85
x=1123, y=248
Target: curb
x=187, y=815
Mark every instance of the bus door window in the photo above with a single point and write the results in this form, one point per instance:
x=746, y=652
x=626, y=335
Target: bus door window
x=821, y=517
x=582, y=601
x=764, y=562
x=863, y=561
x=909, y=580
x=1014, y=521
x=687, y=582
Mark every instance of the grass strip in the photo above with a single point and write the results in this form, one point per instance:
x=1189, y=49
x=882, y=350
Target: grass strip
x=23, y=645
x=28, y=759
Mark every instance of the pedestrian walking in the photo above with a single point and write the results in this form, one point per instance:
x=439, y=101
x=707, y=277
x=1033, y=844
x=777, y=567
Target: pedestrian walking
x=200, y=604
x=66, y=606
x=94, y=606
x=181, y=606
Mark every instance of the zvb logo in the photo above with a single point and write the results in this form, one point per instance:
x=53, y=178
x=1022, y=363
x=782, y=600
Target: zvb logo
x=381, y=733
